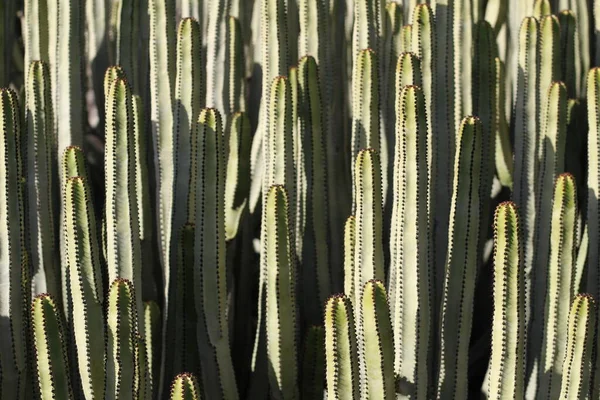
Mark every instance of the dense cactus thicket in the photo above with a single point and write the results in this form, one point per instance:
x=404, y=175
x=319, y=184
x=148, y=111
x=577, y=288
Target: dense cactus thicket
x=299, y=199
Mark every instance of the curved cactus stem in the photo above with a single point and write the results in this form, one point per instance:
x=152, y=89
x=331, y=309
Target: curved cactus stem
x=41, y=166
x=49, y=340
x=507, y=363
x=83, y=259
x=578, y=364
x=121, y=346
x=349, y=252
x=411, y=283
x=378, y=342
x=185, y=387
x=462, y=261
x=13, y=295
x=341, y=353
x=280, y=285
x=313, y=366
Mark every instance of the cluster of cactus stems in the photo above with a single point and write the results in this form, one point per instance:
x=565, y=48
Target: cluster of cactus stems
x=299, y=199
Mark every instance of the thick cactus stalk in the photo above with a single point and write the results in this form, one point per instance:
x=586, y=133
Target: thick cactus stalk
x=73, y=164
x=313, y=366
x=341, y=350
x=541, y=8
x=234, y=101
x=53, y=375
x=280, y=296
x=123, y=244
x=411, y=282
x=185, y=387
x=40, y=163
x=500, y=129
x=349, y=251
x=462, y=261
x=142, y=388
x=112, y=73
x=507, y=363
x=378, y=339
x=193, y=9
x=365, y=27
x=83, y=258
x=406, y=35
x=124, y=37
x=12, y=252
x=210, y=275
x=316, y=234
x=217, y=12
x=121, y=322
x=408, y=72
x=37, y=24
x=577, y=367
x=549, y=69
x=559, y=284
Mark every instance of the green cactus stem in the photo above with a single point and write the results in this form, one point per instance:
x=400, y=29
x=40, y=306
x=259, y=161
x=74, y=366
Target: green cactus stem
x=185, y=387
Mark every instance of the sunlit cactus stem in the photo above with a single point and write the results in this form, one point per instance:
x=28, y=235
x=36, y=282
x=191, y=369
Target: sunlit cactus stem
x=185, y=387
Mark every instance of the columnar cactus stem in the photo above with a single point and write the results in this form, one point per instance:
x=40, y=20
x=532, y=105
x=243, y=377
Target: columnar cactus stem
x=36, y=34
x=349, y=251
x=73, y=164
x=41, y=195
x=541, y=8
x=235, y=81
x=53, y=375
x=83, y=258
x=313, y=366
x=507, y=363
x=13, y=297
x=124, y=34
x=185, y=387
x=561, y=262
x=577, y=367
x=280, y=297
x=143, y=389
x=406, y=35
x=408, y=72
x=462, y=261
x=500, y=129
x=378, y=342
x=341, y=350
x=548, y=69
x=570, y=68
x=121, y=347
x=217, y=12
x=152, y=337
x=411, y=283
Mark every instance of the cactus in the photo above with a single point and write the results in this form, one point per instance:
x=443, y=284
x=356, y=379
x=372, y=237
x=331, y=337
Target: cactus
x=185, y=387
x=313, y=366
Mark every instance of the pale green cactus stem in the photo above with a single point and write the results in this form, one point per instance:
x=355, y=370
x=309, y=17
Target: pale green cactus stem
x=36, y=28
x=12, y=252
x=365, y=28
x=365, y=104
x=193, y=9
x=123, y=244
x=234, y=101
x=300, y=186
x=313, y=365
x=578, y=362
x=185, y=387
x=541, y=8
x=593, y=181
x=281, y=313
x=73, y=163
x=184, y=309
x=69, y=82
x=142, y=388
x=121, y=323
x=408, y=71
x=316, y=235
x=152, y=322
x=548, y=70
x=570, y=68
x=561, y=264
x=406, y=38
x=341, y=353
x=40, y=163
x=506, y=369
x=349, y=251
x=112, y=73
x=462, y=262
x=83, y=259
x=411, y=280
x=496, y=12
x=526, y=146
x=551, y=164
x=391, y=47
x=313, y=27
x=210, y=274
x=580, y=265
x=49, y=340
x=97, y=21
x=217, y=12
x=237, y=183
x=378, y=339
x=500, y=129
x=124, y=38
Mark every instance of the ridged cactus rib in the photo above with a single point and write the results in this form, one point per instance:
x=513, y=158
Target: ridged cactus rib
x=124, y=37
x=73, y=163
x=184, y=309
x=541, y=8
x=189, y=100
x=235, y=81
x=12, y=252
x=69, y=74
x=237, y=182
x=365, y=103
x=210, y=268
x=349, y=252
x=313, y=27
x=378, y=339
x=316, y=235
x=507, y=363
x=578, y=363
x=593, y=181
x=313, y=365
x=411, y=283
x=36, y=31
x=391, y=50
x=280, y=296
x=561, y=262
x=570, y=68
x=185, y=387
x=408, y=72
x=122, y=221
x=40, y=164
x=53, y=375
x=462, y=261
x=83, y=259
x=341, y=349
x=500, y=129
x=526, y=145
x=365, y=28
x=548, y=69
x=406, y=35
x=121, y=323
x=112, y=73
